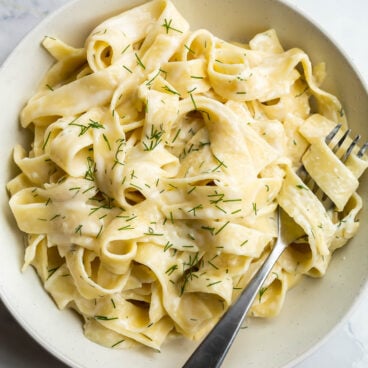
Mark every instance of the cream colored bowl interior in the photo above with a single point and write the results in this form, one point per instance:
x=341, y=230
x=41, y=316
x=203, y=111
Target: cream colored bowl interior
x=312, y=309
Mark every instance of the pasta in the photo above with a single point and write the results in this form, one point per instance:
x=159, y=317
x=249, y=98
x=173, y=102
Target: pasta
x=158, y=160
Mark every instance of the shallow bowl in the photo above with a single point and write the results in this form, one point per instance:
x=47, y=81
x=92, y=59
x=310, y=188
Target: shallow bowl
x=312, y=309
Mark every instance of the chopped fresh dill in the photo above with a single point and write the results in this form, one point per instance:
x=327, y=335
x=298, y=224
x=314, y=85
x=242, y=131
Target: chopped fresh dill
x=139, y=61
x=221, y=163
x=221, y=209
x=189, y=49
x=222, y=227
x=78, y=229
x=254, y=205
x=54, y=217
x=119, y=149
x=125, y=49
x=194, y=209
x=218, y=197
x=148, y=83
x=170, y=90
x=232, y=200
x=151, y=232
x=117, y=343
x=300, y=186
x=46, y=141
x=176, y=135
x=154, y=138
x=194, y=103
x=126, y=227
x=51, y=271
x=191, y=190
x=213, y=265
x=104, y=318
x=99, y=232
x=167, y=246
x=88, y=189
x=131, y=218
x=84, y=128
x=214, y=283
x=107, y=141
x=127, y=69
x=167, y=25
x=91, y=169
x=262, y=290
x=236, y=211
x=171, y=269
x=244, y=242
x=171, y=217
x=172, y=186
x=209, y=228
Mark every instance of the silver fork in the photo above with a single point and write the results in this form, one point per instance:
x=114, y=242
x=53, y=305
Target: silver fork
x=213, y=349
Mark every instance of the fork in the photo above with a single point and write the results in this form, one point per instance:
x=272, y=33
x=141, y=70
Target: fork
x=213, y=349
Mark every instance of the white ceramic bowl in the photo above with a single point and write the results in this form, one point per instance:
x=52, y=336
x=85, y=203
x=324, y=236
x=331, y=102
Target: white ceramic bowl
x=312, y=309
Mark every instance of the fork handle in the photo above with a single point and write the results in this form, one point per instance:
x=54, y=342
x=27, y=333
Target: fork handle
x=212, y=350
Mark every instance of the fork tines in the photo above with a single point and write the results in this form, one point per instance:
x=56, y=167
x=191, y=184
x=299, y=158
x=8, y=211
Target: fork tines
x=341, y=141
x=341, y=152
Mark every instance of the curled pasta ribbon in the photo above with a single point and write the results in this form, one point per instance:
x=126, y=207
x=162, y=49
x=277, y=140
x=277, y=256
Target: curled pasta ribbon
x=84, y=265
x=116, y=39
x=117, y=254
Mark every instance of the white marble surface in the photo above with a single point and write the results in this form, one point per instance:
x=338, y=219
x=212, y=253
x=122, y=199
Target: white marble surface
x=345, y=21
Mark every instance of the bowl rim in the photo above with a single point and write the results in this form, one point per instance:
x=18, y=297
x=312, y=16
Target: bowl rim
x=363, y=290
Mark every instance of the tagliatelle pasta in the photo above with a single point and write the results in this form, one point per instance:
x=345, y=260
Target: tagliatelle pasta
x=159, y=157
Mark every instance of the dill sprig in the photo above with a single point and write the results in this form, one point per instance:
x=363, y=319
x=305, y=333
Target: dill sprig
x=170, y=90
x=300, y=186
x=139, y=61
x=46, y=141
x=194, y=209
x=151, y=232
x=122, y=143
x=171, y=269
x=91, y=169
x=104, y=318
x=214, y=283
x=262, y=290
x=154, y=138
x=220, y=163
x=107, y=141
x=127, y=69
x=254, y=205
x=176, y=135
x=167, y=246
x=189, y=49
x=125, y=49
x=84, y=128
x=78, y=229
x=167, y=25
x=51, y=271
x=222, y=227
x=117, y=343
x=192, y=266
